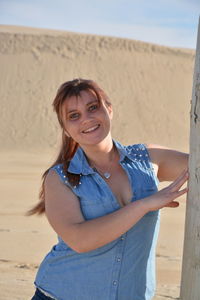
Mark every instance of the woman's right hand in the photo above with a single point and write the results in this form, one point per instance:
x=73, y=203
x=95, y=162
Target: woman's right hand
x=166, y=197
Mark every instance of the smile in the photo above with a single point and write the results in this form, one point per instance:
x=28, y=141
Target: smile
x=91, y=129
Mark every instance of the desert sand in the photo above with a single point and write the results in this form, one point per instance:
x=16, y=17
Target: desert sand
x=150, y=87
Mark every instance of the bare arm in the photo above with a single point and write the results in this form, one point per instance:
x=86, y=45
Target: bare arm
x=170, y=162
x=64, y=214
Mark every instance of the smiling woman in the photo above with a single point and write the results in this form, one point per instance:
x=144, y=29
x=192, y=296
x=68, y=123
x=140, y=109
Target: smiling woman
x=102, y=200
x=86, y=119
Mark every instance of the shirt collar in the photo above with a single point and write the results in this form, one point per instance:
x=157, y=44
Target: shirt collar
x=79, y=163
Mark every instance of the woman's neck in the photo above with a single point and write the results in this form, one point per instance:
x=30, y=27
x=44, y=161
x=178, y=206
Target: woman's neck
x=102, y=154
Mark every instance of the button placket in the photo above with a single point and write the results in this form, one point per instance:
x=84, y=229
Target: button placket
x=131, y=181
x=105, y=186
x=117, y=266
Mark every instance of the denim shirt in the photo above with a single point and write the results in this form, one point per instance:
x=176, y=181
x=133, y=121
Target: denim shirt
x=123, y=269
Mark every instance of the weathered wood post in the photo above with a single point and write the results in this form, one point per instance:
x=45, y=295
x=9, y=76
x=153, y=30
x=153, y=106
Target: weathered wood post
x=190, y=282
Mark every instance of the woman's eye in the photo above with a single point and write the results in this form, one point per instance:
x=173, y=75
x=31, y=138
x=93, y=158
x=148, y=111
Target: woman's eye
x=74, y=116
x=93, y=107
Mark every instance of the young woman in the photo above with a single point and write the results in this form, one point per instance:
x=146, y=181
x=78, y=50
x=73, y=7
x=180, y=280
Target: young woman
x=101, y=198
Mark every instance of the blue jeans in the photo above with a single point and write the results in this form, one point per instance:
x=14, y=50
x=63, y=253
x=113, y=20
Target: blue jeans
x=40, y=296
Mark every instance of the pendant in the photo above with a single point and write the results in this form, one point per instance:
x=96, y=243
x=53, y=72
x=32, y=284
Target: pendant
x=106, y=175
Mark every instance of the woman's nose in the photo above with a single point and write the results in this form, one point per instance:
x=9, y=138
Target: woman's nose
x=86, y=116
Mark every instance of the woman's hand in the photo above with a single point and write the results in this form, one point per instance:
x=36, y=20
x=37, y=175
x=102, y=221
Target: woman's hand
x=166, y=196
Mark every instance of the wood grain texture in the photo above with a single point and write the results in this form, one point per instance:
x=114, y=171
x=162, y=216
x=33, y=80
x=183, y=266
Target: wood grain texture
x=190, y=283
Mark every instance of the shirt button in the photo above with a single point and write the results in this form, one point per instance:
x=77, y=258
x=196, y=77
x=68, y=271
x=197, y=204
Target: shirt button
x=114, y=282
x=118, y=259
x=122, y=238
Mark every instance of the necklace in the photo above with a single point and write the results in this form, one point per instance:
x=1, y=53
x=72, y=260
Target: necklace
x=104, y=174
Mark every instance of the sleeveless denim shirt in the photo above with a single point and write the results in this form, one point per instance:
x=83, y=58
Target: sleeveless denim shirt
x=123, y=269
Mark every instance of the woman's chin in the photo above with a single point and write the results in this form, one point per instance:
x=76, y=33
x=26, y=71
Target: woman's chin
x=93, y=140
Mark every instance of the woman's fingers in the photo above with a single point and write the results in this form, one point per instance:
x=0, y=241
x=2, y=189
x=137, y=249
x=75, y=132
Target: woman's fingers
x=173, y=204
x=179, y=193
x=179, y=181
x=167, y=196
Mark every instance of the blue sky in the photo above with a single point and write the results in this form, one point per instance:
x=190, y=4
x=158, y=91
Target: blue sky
x=165, y=22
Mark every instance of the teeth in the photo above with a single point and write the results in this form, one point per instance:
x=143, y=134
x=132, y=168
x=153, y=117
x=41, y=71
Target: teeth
x=91, y=129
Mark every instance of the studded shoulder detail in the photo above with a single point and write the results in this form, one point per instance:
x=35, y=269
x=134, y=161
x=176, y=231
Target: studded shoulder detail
x=60, y=172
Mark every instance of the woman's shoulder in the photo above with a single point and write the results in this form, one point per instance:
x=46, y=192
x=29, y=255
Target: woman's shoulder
x=139, y=148
x=137, y=152
x=152, y=150
x=52, y=175
x=56, y=174
x=147, y=151
x=136, y=147
x=145, y=146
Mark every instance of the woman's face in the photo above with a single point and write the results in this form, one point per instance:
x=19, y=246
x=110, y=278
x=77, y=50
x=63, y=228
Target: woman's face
x=86, y=119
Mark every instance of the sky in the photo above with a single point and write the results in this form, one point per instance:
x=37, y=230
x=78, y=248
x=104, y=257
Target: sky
x=171, y=23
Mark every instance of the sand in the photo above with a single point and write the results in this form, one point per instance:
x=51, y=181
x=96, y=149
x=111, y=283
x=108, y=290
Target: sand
x=150, y=88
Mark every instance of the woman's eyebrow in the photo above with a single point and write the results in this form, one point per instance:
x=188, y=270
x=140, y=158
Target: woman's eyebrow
x=91, y=102
x=70, y=111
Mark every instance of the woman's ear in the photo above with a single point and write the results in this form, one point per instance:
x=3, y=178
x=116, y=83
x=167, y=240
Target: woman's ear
x=110, y=111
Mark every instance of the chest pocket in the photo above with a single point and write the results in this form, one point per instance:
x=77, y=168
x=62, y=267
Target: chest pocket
x=148, y=190
x=147, y=184
x=92, y=206
x=94, y=201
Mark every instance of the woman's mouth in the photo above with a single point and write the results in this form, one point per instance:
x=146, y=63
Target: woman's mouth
x=91, y=129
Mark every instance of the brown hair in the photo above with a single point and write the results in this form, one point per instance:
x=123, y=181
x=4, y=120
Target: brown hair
x=68, y=145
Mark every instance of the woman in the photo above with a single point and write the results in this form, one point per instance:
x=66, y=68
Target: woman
x=101, y=199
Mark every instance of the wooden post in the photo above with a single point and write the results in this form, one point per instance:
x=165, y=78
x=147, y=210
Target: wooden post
x=190, y=282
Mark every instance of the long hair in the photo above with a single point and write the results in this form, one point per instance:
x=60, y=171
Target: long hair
x=68, y=145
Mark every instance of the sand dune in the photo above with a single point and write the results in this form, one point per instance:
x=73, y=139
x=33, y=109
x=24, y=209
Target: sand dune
x=150, y=88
